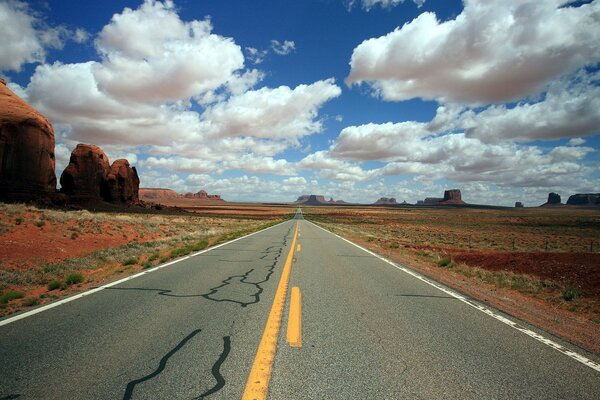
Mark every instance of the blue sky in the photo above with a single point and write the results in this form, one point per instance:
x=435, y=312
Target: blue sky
x=265, y=101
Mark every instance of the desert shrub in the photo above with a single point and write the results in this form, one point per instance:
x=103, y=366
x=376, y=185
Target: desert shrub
x=394, y=245
x=40, y=222
x=54, y=284
x=147, y=265
x=31, y=301
x=12, y=295
x=74, y=235
x=570, y=294
x=19, y=220
x=445, y=262
x=131, y=261
x=154, y=256
x=72, y=279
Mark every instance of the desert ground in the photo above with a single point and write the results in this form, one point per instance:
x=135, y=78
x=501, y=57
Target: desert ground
x=539, y=264
x=47, y=254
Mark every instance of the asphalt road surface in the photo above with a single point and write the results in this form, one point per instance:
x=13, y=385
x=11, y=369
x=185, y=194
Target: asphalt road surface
x=191, y=330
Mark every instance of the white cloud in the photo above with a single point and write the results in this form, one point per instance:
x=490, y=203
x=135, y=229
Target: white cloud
x=150, y=54
x=26, y=38
x=256, y=56
x=279, y=113
x=20, y=42
x=326, y=166
x=408, y=150
x=491, y=52
x=283, y=48
x=576, y=142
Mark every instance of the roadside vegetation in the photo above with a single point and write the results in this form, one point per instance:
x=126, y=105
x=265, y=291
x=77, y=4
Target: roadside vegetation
x=47, y=254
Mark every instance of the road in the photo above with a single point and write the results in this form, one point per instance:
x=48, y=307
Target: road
x=369, y=330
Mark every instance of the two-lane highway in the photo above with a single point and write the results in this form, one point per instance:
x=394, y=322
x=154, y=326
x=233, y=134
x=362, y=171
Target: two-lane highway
x=193, y=330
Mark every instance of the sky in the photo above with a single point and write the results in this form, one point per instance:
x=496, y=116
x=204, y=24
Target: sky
x=350, y=99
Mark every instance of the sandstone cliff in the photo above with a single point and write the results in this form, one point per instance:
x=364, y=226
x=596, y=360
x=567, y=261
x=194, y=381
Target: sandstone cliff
x=26, y=150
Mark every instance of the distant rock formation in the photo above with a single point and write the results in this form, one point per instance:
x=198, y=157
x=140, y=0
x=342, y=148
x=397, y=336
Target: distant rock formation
x=518, y=204
x=26, y=150
x=157, y=194
x=90, y=177
x=553, y=200
x=432, y=201
x=452, y=196
x=584, y=199
x=203, y=195
x=385, y=201
x=316, y=200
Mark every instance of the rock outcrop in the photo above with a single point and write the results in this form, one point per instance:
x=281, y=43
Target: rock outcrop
x=519, y=204
x=26, y=150
x=152, y=194
x=316, y=200
x=452, y=196
x=385, y=201
x=85, y=176
x=203, y=195
x=432, y=201
x=158, y=194
x=584, y=199
x=122, y=183
x=553, y=200
x=90, y=177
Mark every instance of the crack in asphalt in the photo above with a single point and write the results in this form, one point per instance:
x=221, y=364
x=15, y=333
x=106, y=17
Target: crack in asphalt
x=161, y=365
x=216, y=370
x=275, y=251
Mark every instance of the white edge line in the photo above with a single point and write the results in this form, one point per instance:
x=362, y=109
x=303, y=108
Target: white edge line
x=540, y=338
x=99, y=288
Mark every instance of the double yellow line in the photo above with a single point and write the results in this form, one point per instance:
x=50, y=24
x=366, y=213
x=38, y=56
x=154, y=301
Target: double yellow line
x=257, y=385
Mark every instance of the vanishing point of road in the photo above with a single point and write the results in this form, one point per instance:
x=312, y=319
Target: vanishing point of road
x=291, y=312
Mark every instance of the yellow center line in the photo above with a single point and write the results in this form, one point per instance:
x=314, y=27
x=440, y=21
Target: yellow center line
x=294, y=327
x=257, y=385
x=299, y=247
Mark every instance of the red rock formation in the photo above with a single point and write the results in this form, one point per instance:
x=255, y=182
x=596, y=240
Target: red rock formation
x=26, y=150
x=90, y=177
x=123, y=183
x=157, y=194
x=316, y=200
x=452, y=196
x=85, y=176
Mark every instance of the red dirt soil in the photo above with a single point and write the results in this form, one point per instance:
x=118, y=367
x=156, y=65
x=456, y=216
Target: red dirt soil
x=29, y=246
x=581, y=270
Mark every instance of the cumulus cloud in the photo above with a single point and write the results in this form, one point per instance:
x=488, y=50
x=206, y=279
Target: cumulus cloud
x=151, y=54
x=26, y=38
x=279, y=113
x=409, y=150
x=569, y=108
x=491, y=52
x=141, y=96
x=21, y=42
x=256, y=56
x=329, y=167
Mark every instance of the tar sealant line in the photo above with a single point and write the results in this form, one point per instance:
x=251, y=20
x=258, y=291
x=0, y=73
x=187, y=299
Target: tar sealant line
x=144, y=272
x=576, y=356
